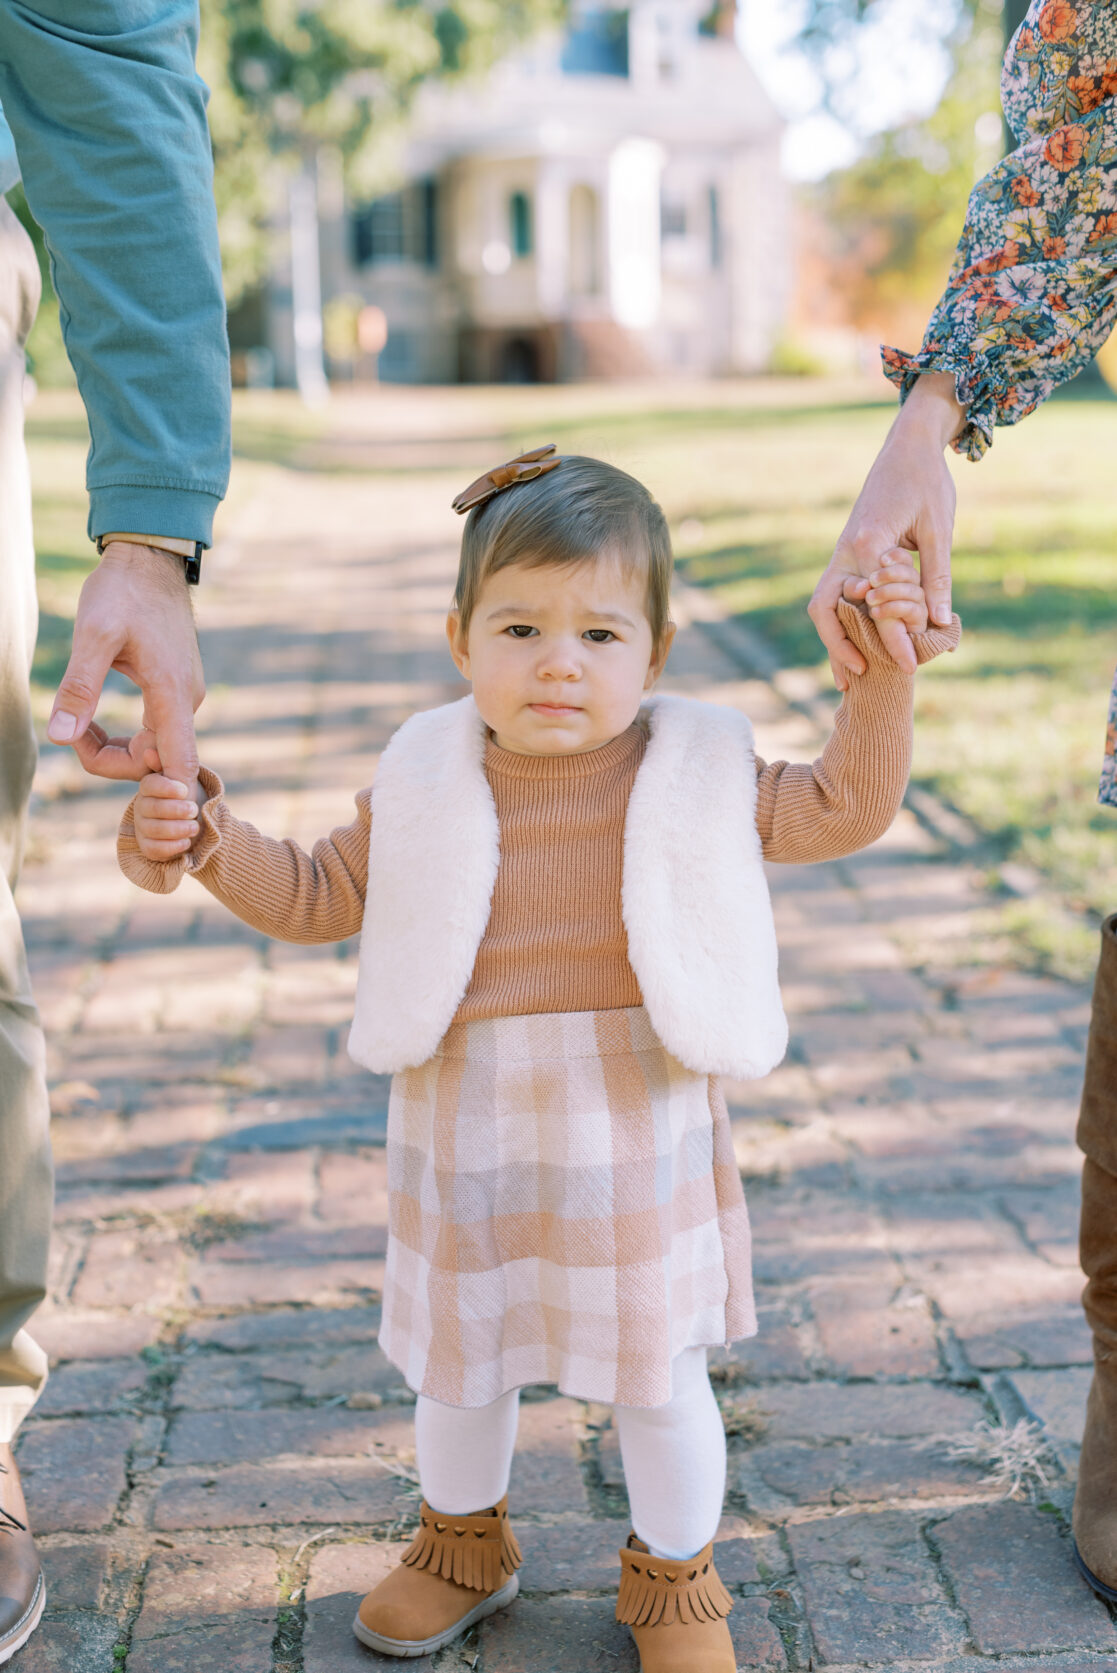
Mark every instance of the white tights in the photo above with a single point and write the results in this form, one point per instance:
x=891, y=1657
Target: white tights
x=673, y=1456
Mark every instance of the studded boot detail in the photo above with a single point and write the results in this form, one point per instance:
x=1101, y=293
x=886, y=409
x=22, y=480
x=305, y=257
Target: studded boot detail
x=457, y=1570
x=676, y=1611
x=466, y=1549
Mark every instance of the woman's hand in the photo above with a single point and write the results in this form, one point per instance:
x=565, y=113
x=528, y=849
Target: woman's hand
x=907, y=504
x=166, y=819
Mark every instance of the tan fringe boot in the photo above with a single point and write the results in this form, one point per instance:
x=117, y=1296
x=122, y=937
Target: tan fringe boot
x=457, y=1570
x=675, y=1611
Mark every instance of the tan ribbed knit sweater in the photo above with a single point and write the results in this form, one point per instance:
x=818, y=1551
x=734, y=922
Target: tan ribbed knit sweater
x=555, y=939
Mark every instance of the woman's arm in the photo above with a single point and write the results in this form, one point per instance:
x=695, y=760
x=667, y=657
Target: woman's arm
x=851, y=794
x=274, y=886
x=1032, y=294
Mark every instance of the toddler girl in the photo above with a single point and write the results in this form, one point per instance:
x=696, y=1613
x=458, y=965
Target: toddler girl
x=566, y=938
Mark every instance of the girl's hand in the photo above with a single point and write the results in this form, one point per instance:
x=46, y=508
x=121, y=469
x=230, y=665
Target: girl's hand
x=166, y=818
x=892, y=593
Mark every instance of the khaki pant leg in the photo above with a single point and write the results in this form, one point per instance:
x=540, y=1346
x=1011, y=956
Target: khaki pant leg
x=25, y=1165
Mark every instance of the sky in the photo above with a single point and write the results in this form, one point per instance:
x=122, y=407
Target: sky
x=896, y=69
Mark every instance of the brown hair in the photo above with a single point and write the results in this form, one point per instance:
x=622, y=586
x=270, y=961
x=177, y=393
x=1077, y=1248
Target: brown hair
x=580, y=511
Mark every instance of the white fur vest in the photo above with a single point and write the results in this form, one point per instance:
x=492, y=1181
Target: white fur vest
x=695, y=901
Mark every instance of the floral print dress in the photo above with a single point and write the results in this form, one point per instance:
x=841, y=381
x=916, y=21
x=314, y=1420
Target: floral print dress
x=1032, y=294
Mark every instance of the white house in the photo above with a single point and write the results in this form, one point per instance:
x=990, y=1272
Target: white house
x=608, y=202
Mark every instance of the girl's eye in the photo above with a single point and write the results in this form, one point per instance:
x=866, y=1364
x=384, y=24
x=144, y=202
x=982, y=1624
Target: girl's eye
x=520, y=630
x=599, y=635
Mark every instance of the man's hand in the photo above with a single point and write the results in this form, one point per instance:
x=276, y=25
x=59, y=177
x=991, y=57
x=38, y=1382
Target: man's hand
x=906, y=505
x=134, y=614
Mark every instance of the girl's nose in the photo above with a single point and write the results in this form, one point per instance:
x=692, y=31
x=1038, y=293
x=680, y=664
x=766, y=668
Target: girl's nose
x=560, y=662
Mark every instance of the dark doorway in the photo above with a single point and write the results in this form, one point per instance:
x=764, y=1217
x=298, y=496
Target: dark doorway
x=520, y=361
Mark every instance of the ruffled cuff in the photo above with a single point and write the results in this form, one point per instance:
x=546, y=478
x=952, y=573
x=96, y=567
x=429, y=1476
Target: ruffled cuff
x=977, y=391
x=859, y=626
x=162, y=877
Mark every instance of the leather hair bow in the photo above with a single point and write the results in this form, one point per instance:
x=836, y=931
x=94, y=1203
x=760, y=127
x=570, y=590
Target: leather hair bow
x=525, y=468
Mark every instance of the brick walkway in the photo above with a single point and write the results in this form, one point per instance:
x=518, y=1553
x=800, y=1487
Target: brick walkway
x=221, y=1439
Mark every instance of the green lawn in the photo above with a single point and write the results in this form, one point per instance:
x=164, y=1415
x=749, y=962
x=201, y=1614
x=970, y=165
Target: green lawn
x=757, y=482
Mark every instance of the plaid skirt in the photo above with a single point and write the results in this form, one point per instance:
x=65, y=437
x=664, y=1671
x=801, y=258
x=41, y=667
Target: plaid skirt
x=564, y=1207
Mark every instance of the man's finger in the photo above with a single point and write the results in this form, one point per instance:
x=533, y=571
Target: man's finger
x=77, y=697
x=934, y=572
x=107, y=757
x=170, y=715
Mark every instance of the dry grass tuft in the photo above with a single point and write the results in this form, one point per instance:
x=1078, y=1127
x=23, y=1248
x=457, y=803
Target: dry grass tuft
x=1017, y=1458
x=744, y=1420
x=730, y=1374
x=401, y=1465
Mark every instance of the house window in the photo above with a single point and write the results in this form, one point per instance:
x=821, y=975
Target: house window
x=378, y=231
x=519, y=223
x=428, y=222
x=597, y=44
x=401, y=226
x=715, y=227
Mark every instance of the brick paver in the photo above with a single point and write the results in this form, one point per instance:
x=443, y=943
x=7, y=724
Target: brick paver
x=222, y=1463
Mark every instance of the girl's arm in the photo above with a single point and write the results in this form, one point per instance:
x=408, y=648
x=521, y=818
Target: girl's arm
x=274, y=886
x=851, y=794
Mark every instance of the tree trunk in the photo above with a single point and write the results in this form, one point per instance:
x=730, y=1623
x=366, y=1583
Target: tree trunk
x=306, y=288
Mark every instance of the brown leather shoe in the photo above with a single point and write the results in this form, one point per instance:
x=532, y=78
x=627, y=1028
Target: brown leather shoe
x=23, y=1594
x=1095, y=1501
x=675, y=1612
x=457, y=1570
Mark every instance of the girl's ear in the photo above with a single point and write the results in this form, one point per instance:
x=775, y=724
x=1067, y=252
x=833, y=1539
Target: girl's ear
x=659, y=656
x=458, y=642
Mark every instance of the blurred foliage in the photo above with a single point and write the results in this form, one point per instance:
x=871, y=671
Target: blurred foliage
x=894, y=216
x=288, y=79
x=829, y=27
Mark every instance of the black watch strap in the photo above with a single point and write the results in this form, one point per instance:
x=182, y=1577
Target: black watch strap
x=192, y=561
x=194, y=565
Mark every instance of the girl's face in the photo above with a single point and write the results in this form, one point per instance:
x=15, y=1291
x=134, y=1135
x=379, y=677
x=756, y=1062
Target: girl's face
x=559, y=659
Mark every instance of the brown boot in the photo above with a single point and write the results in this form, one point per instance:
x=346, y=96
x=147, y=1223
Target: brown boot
x=1095, y=1501
x=23, y=1594
x=457, y=1570
x=676, y=1611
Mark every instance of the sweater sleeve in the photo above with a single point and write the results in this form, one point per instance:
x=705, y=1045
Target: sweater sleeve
x=275, y=886
x=851, y=794
x=109, y=120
